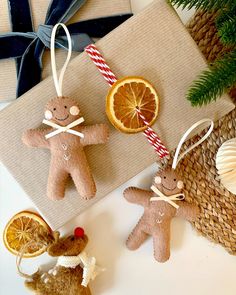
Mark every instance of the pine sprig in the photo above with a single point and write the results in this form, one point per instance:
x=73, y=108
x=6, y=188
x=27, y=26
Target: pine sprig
x=204, y=4
x=224, y=16
x=227, y=32
x=212, y=83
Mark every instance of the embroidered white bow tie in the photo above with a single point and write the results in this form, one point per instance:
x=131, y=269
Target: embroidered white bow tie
x=64, y=128
x=90, y=269
x=168, y=199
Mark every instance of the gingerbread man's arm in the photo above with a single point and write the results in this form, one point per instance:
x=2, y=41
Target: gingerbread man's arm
x=137, y=196
x=187, y=211
x=36, y=138
x=95, y=134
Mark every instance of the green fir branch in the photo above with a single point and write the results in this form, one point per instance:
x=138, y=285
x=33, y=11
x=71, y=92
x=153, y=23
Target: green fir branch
x=213, y=82
x=224, y=16
x=227, y=32
x=204, y=4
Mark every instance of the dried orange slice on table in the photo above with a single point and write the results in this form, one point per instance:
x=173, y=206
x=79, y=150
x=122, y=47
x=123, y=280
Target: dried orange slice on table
x=25, y=229
x=125, y=97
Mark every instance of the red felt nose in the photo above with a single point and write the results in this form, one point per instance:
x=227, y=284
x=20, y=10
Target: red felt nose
x=79, y=232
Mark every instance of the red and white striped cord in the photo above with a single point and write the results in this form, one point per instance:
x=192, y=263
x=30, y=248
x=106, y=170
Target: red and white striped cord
x=153, y=139
x=109, y=76
x=101, y=64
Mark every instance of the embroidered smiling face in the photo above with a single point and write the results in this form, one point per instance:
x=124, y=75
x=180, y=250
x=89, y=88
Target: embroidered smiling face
x=168, y=182
x=62, y=111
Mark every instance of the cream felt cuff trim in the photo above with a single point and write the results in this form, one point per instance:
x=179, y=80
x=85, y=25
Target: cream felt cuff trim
x=90, y=269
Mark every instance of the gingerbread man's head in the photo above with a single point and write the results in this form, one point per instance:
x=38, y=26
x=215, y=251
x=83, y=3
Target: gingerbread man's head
x=62, y=111
x=70, y=246
x=168, y=182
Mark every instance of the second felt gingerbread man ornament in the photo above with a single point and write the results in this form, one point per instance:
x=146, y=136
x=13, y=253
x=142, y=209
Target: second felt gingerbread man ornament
x=162, y=203
x=68, y=140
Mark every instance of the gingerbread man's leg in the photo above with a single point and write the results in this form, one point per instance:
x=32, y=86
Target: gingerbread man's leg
x=84, y=183
x=82, y=177
x=161, y=243
x=136, y=238
x=56, y=182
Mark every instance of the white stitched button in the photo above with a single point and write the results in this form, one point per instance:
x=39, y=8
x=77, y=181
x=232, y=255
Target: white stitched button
x=161, y=213
x=64, y=146
x=67, y=157
x=158, y=221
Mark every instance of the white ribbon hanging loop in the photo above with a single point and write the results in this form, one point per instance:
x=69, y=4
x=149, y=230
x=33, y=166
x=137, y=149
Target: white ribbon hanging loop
x=58, y=85
x=178, y=157
x=58, y=82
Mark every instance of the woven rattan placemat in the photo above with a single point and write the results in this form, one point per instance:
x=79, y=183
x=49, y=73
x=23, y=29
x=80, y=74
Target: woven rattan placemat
x=217, y=220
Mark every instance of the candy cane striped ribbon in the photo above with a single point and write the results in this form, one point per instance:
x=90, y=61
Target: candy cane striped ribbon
x=109, y=76
x=153, y=139
x=101, y=64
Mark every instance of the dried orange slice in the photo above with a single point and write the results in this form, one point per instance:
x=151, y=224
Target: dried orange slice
x=23, y=230
x=123, y=99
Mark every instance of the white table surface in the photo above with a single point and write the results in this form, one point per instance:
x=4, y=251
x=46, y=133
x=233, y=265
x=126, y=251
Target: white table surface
x=196, y=266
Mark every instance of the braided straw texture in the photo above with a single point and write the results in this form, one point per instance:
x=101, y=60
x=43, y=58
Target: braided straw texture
x=217, y=220
x=202, y=29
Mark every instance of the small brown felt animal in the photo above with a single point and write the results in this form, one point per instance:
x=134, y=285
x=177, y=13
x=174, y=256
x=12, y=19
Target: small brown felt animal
x=72, y=271
x=159, y=209
x=66, y=144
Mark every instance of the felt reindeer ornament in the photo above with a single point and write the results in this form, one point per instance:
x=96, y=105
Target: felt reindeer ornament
x=72, y=272
x=162, y=203
x=66, y=137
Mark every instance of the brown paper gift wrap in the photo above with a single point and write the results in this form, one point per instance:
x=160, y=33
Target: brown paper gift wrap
x=153, y=44
x=91, y=9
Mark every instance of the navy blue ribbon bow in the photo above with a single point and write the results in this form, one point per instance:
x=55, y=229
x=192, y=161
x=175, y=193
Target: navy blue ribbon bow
x=27, y=46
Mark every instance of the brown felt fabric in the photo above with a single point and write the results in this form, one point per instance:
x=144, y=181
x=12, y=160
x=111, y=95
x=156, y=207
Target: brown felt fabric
x=67, y=153
x=142, y=46
x=157, y=215
x=65, y=280
x=91, y=9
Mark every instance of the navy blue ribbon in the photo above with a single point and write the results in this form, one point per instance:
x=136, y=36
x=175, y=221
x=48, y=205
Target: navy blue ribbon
x=28, y=46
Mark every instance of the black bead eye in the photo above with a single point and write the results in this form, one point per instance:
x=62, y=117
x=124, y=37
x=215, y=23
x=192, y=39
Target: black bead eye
x=175, y=179
x=54, y=109
x=65, y=107
x=164, y=177
x=72, y=239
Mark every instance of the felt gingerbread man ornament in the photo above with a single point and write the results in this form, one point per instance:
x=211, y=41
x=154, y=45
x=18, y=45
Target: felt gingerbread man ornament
x=69, y=138
x=162, y=203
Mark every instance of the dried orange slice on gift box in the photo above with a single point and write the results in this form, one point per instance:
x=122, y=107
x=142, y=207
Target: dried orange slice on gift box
x=125, y=97
x=23, y=230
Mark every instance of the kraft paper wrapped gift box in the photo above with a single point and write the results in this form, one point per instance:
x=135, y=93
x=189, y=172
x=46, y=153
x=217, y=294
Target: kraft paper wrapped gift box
x=91, y=9
x=153, y=44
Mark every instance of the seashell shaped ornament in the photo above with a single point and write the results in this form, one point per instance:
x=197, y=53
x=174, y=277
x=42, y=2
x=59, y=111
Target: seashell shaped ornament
x=226, y=164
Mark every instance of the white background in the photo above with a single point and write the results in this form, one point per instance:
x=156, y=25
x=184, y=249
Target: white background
x=196, y=266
